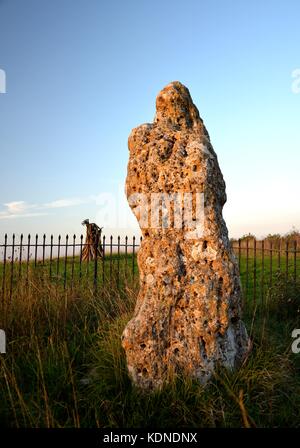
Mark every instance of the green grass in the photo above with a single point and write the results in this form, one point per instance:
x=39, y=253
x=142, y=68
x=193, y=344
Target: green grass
x=65, y=366
x=115, y=270
x=257, y=273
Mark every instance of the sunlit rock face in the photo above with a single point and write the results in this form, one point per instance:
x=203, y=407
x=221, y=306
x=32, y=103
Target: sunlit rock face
x=187, y=316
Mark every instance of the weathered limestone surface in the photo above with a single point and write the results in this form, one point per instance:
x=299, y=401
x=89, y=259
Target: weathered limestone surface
x=187, y=316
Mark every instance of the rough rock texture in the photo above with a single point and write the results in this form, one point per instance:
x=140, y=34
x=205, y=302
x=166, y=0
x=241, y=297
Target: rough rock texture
x=187, y=316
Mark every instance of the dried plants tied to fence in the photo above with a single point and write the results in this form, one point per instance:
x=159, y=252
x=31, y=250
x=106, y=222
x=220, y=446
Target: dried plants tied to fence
x=92, y=248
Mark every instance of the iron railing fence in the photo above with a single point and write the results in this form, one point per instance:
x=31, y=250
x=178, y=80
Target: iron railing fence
x=264, y=264
x=60, y=261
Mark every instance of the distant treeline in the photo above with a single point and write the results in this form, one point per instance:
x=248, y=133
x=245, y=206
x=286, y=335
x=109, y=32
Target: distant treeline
x=275, y=240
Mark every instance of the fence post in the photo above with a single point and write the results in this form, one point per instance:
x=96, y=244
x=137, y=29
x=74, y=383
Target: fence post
x=262, y=270
x=66, y=260
x=80, y=257
x=4, y=266
x=286, y=265
x=58, y=255
x=96, y=262
x=126, y=255
x=279, y=257
x=28, y=257
x=239, y=256
x=44, y=243
x=254, y=271
x=271, y=264
x=20, y=255
x=295, y=264
x=247, y=266
x=133, y=255
x=103, y=262
x=73, y=260
x=35, y=251
x=118, y=274
x=12, y=265
x=110, y=259
x=51, y=254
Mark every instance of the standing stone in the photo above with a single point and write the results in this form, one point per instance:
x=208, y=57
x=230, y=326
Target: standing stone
x=187, y=315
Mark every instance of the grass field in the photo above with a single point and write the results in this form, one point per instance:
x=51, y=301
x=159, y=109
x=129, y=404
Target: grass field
x=258, y=273
x=65, y=367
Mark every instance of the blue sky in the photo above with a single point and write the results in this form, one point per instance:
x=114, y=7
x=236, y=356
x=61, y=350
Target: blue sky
x=80, y=75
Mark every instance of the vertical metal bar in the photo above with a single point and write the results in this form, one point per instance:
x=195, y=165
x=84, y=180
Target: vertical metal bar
x=87, y=244
x=96, y=262
x=103, y=262
x=20, y=255
x=240, y=256
x=254, y=270
x=87, y=271
x=133, y=255
x=126, y=254
x=35, y=251
x=51, y=255
x=12, y=264
x=262, y=269
x=141, y=239
x=58, y=255
x=66, y=259
x=295, y=263
x=110, y=259
x=247, y=266
x=28, y=256
x=4, y=264
x=286, y=264
x=80, y=257
x=73, y=260
x=118, y=272
x=271, y=264
x=44, y=243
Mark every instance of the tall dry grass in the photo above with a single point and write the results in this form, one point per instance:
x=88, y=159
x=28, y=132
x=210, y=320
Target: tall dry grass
x=65, y=367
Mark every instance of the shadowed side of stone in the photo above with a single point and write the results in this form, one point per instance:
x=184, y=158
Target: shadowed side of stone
x=187, y=316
